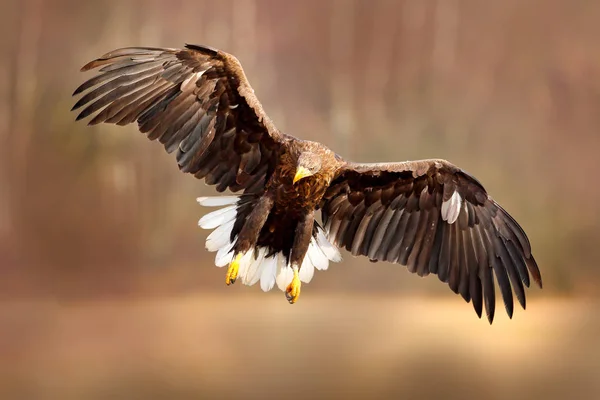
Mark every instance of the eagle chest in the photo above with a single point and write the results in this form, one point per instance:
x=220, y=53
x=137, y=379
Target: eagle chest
x=299, y=197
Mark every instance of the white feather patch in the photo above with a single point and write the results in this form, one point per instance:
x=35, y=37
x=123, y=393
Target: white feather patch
x=330, y=251
x=224, y=256
x=223, y=220
x=217, y=201
x=317, y=257
x=269, y=270
x=219, y=217
x=254, y=270
x=451, y=208
x=220, y=237
x=245, y=262
x=307, y=270
x=285, y=274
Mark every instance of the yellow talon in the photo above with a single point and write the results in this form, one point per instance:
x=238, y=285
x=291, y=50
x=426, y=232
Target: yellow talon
x=232, y=271
x=292, y=292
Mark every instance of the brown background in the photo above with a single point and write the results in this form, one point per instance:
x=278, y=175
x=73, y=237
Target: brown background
x=106, y=290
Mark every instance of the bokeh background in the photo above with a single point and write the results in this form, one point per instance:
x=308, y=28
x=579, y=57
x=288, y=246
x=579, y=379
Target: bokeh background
x=106, y=290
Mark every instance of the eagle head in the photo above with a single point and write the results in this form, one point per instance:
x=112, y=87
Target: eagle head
x=308, y=164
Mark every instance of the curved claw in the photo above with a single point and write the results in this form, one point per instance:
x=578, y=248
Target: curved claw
x=232, y=271
x=292, y=292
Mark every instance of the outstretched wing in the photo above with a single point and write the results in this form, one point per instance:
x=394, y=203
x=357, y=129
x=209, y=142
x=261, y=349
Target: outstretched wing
x=434, y=218
x=197, y=102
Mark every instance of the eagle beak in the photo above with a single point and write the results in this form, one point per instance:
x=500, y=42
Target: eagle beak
x=301, y=173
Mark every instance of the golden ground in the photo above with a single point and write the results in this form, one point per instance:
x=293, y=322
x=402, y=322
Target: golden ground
x=249, y=346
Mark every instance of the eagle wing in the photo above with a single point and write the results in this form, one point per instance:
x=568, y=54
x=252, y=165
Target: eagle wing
x=195, y=101
x=432, y=217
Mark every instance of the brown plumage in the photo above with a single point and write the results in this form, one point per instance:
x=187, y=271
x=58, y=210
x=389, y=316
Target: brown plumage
x=428, y=215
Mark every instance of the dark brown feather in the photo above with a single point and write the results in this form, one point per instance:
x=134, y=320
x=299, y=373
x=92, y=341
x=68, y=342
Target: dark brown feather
x=184, y=99
x=482, y=242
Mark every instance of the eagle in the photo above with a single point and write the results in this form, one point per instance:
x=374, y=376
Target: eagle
x=429, y=215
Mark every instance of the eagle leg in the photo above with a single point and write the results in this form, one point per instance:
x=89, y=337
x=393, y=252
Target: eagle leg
x=292, y=292
x=302, y=239
x=248, y=237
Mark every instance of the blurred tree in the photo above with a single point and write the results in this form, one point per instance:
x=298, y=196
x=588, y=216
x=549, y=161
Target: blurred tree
x=486, y=85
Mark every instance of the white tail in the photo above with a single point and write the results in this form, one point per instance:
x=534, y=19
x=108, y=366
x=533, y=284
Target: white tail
x=255, y=266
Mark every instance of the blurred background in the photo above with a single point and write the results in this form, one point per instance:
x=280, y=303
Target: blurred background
x=106, y=290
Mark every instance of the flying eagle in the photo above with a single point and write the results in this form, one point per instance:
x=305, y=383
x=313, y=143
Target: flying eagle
x=427, y=215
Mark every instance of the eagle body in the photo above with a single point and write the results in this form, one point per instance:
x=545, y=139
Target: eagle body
x=306, y=194
x=281, y=219
x=428, y=215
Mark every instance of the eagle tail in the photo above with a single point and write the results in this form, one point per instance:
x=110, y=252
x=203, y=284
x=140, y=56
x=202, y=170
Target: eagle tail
x=259, y=264
x=222, y=221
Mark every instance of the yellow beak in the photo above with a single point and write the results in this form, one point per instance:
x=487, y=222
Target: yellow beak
x=301, y=172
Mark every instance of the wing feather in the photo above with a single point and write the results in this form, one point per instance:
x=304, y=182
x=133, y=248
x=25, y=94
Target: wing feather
x=196, y=101
x=432, y=217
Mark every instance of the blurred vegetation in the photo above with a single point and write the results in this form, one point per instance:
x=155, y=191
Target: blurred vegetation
x=106, y=290
x=509, y=91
